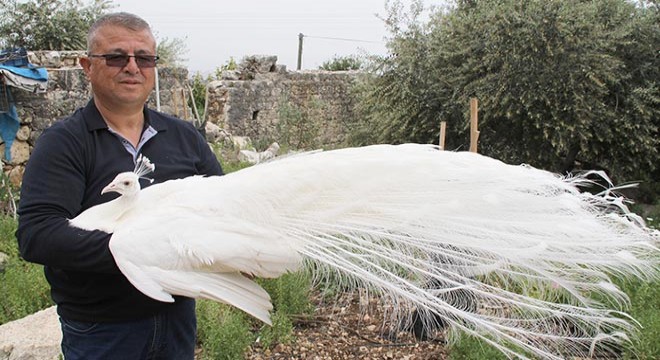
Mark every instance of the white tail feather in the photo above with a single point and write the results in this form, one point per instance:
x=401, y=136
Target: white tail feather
x=456, y=236
x=229, y=288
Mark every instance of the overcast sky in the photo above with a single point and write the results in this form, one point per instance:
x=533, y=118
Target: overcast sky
x=216, y=30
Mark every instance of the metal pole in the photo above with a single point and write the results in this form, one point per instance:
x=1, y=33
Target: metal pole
x=157, y=90
x=300, y=47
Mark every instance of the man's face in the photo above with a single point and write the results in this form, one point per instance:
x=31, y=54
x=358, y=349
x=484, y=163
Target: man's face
x=127, y=87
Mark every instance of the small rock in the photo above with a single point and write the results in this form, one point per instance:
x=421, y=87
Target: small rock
x=16, y=175
x=4, y=258
x=23, y=133
x=242, y=142
x=20, y=152
x=255, y=157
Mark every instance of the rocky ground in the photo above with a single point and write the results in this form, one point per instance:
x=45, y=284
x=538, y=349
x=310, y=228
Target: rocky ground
x=350, y=331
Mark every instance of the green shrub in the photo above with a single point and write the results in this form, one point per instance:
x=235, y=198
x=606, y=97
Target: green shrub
x=301, y=125
x=343, y=63
x=280, y=332
x=9, y=195
x=226, y=333
x=8, y=244
x=223, y=332
x=290, y=293
x=468, y=347
x=231, y=166
x=22, y=284
x=645, y=302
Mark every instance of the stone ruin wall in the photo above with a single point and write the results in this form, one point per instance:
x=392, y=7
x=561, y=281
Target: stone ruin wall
x=263, y=101
x=253, y=101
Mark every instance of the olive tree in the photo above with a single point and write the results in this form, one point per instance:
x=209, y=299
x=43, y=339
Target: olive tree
x=48, y=24
x=561, y=84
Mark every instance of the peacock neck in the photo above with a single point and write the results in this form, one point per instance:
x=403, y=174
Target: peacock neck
x=122, y=205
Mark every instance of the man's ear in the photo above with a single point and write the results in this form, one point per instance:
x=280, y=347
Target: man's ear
x=86, y=64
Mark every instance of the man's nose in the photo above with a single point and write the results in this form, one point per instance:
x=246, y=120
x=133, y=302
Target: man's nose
x=132, y=66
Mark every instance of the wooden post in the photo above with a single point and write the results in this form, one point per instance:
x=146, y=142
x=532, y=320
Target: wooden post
x=175, y=103
x=443, y=129
x=185, y=103
x=474, y=122
x=300, y=48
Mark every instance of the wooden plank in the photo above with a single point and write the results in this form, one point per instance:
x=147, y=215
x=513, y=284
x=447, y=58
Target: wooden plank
x=474, y=123
x=443, y=130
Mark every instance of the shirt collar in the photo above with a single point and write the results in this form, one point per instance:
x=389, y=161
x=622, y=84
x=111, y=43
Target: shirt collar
x=95, y=120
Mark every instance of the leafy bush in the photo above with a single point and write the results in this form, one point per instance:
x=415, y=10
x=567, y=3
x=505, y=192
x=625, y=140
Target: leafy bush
x=171, y=52
x=48, y=24
x=290, y=293
x=645, y=302
x=300, y=126
x=223, y=332
x=343, y=63
x=23, y=286
x=280, y=332
x=9, y=195
x=226, y=333
x=562, y=85
x=473, y=348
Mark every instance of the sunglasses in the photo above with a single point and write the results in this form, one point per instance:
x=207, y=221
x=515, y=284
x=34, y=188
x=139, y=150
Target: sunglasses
x=121, y=60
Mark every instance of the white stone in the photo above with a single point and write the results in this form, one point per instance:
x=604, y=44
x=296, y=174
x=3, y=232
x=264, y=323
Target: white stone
x=20, y=152
x=37, y=336
x=229, y=75
x=261, y=63
x=215, y=133
x=255, y=157
x=52, y=59
x=16, y=175
x=3, y=261
x=23, y=133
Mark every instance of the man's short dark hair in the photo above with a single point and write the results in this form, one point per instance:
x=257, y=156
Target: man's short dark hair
x=122, y=19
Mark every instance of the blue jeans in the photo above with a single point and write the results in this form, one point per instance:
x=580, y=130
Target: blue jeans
x=170, y=335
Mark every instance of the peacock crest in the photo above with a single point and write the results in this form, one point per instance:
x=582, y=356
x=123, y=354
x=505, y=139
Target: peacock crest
x=144, y=166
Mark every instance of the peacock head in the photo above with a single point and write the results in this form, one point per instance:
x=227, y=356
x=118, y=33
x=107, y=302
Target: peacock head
x=128, y=183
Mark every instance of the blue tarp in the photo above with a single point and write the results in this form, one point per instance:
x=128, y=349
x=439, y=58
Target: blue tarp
x=14, y=57
x=30, y=72
x=9, y=124
x=29, y=78
x=17, y=72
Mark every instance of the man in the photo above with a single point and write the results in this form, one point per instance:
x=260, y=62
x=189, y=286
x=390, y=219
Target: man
x=102, y=315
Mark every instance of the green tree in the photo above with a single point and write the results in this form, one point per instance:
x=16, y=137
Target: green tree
x=48, y=24
x=343, y=63
x=171, y=51
x=560, y=83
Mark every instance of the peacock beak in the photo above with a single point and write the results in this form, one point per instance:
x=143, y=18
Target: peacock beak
x=110, y=188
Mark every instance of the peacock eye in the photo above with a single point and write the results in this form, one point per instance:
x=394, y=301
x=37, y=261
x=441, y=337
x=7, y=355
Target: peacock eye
x=126, y=183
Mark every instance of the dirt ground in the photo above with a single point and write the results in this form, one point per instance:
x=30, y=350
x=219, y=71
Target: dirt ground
x=348, y=331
